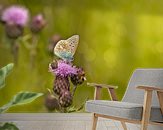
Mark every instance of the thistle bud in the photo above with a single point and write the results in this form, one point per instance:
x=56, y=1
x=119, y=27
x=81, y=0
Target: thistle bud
x=53, y=65
x=51, y=103
x=65, y=100
x=38, y=23
x=60, y=84
x=79, y=77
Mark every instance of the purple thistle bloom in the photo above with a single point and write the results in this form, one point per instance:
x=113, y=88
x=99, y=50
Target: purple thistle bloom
x=64, y=69
x=15, y=15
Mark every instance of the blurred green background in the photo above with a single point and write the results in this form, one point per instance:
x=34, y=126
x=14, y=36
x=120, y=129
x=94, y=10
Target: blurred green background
x=116, y=37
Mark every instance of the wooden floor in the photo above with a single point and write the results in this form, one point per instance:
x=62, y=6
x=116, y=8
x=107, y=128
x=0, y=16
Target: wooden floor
x=59, y=121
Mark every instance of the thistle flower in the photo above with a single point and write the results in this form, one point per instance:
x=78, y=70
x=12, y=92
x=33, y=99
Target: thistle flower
x=16, y=15
x=38, y=23
x=64, y=69
x=14, y=19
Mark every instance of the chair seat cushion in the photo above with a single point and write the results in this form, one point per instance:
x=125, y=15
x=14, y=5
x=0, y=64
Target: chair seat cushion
x=131, y=111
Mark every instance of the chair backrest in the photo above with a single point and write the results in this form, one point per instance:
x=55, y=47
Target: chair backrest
x=149, y=77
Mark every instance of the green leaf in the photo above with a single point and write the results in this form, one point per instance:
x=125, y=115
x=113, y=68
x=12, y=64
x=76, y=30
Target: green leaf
x=25, y=97
x=8, y=126
x=4, y=72
x=20, y=99
x=5, y=107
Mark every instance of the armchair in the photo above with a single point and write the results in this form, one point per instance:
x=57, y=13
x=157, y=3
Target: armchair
x=137, y=106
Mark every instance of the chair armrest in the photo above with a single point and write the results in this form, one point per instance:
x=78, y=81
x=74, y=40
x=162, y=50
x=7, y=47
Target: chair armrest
x=148, y=100
x=102, y=85
x=110, y=88
x=150, y=88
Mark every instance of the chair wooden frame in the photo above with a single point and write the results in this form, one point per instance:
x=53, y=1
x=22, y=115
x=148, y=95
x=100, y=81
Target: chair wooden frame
x=146, y=106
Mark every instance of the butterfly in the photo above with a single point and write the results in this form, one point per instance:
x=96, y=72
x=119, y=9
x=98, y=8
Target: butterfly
x=65, y=49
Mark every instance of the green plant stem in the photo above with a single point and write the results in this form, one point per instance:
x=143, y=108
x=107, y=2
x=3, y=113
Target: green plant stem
x=33, y=50
x=15, y=50
x=74, y=89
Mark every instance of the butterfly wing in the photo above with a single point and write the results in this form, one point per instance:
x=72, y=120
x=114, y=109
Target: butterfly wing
x=73, y=43
x=61, y=49
x=65, y=49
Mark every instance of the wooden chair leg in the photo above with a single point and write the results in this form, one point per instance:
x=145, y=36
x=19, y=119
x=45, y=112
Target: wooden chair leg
x=124, y=125
x=94, y=123
x=146, y=110
x=112, y=94
x=160, y=98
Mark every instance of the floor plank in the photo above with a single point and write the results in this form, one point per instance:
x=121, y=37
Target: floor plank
x=58, y=121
